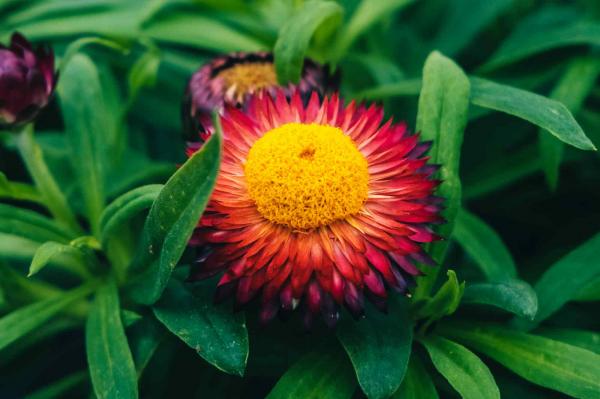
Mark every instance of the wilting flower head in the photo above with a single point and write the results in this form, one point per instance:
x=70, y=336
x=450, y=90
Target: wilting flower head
x=27, y=80
x=316, y=205
x=230, y=79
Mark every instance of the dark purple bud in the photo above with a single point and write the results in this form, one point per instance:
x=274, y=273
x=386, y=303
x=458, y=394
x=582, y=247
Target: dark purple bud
x=27, y=81
x=230, y=79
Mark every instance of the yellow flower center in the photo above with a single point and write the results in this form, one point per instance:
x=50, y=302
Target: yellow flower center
x=245, y=78
x=306, y=175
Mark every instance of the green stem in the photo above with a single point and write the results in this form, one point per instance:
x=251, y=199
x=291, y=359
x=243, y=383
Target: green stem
x=55, y=201
x=426, y=282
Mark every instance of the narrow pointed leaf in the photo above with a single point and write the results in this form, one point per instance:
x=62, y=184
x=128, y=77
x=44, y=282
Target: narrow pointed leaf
x=417, y=383
x=462, y=368
x=201, y=32
x=571, y=90
x=126, y=206
x=589, y=340
x=108, y=354
x=295, y=36
x=408, y=87
x=515, y=296
x=464, y=20
x=49, y=250
x=31, y=225
x=530, y=40
x=28, y=318
x=563, y=280
x=379, y=342
x=442, y=117
x=60, y=388
x=215, y=332
x=316, y=376
x=445, y=301
x=145, y=337
x=365, y=16
x=484, y=245
x=543, y=361
x=17, y=191
x=172, y=219
x=546, y=113
x=87, y=125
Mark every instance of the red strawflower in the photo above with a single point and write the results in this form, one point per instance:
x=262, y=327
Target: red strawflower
x=230, y=79
x=316, y=204
x=27, y=80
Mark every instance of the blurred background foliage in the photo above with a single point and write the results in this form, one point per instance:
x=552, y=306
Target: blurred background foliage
x=538, y=197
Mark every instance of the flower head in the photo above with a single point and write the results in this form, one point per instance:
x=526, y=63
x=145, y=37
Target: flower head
x=316, y=205
x=27, y=80
x=230, y=79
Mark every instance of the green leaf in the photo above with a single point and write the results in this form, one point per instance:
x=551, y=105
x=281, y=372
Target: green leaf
x=17, y=191
x=108, y=354
x=591, y=291
x=484, y=245
x=19, y=249
x=87, y=124
x=136, y=169
x=382, y=69
x=3, y=301
x=551, y=364
x=512, y=295
x=173, y=217
x=464, y=20
x=52, y=196
x=30, y=317
x=14, y=247
x=589, y=340
x=25, y=291
x=41, y=10
x=316, y=376
x=295, y=35
x=529, y=41
x=571, y=90
x=126, y=206
x=215, y=332
x=201, y=32
x=462, y=368
x=562, y=281
x=77, y=45
x=30, y=225
x=86, y=242
x=145, y=337
x=143, y=73
x=365, y=16
x=118, y=22
x=408, y=87
x=60, y=388
x=417, y=383
x=501, y=172
x=49, y=250
x=375, y=343
x=444, y=302
x=442, y=117
x=548, y=114
x=129, y=317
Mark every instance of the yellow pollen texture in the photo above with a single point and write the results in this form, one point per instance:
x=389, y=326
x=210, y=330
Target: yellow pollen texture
x=245, y=78
x=306, y=175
